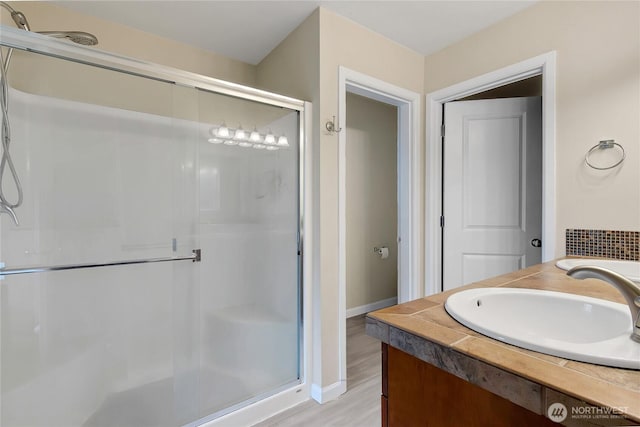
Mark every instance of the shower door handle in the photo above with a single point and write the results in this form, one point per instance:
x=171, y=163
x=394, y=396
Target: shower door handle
x=196, y=256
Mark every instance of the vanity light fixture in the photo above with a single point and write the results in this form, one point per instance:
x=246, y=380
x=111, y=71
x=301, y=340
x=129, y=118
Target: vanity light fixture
x=239, y=137
x=283, y=141
x=223, y=131
x=254, y=136
x=269, y=139
x=240, y=134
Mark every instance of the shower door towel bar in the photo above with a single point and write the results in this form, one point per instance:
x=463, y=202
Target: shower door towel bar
x=195, y=257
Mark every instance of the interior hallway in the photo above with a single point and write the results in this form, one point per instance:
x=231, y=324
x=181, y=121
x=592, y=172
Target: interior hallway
x=360, y=405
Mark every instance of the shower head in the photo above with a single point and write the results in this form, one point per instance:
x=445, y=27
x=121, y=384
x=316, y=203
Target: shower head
x=79, y=37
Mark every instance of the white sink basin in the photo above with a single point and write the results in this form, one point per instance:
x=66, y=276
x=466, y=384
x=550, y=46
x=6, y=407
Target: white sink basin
x=629, y=269
x=569, y=326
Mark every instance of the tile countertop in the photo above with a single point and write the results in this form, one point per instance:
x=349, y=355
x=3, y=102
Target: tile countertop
x=530, y=379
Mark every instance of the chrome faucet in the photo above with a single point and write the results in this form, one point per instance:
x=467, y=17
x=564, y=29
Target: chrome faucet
x=628, y=289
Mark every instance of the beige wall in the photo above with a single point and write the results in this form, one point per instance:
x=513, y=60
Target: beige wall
x=337, y=42
x=371, y=210
x=138, y=44
x=598, y=97
x=293, y=67
x=344, y=43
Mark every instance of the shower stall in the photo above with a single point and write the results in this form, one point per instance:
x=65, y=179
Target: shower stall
x=154, y=274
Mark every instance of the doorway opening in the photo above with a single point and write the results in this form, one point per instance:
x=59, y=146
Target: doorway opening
x=409, y=226
x=371, y=204
x=544, y=66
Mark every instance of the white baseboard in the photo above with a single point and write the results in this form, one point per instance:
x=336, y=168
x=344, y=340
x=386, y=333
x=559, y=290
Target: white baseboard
x=356, y=311
x=330, y=392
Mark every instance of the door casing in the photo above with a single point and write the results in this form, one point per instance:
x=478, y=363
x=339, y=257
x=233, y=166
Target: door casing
x=409, y=223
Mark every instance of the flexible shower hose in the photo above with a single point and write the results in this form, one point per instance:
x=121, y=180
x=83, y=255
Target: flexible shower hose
x=5, y=205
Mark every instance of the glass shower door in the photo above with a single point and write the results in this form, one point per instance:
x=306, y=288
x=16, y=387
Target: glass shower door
x=249, y=227
x=119, y=167
x=108, y=174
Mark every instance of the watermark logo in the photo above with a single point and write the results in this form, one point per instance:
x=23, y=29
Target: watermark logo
x=557, y=412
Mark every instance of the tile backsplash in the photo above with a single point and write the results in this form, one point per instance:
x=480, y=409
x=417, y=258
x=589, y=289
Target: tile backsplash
x=623, y=245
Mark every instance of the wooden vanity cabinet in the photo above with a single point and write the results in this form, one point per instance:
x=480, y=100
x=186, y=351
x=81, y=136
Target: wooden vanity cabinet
x=415, y=393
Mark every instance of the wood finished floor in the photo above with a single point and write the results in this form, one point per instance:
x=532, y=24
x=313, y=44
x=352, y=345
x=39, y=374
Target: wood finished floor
x=360, y=405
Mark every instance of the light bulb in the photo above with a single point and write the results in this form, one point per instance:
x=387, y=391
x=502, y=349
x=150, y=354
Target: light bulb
x=230, y=142
x=269, y=139
x=222, y=131
x=240, y=134
x=255, y=136
x=215, y=140
x=283, y=141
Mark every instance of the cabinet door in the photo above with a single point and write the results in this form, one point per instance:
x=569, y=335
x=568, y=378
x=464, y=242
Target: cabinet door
x=384, y=399
x=419, y=394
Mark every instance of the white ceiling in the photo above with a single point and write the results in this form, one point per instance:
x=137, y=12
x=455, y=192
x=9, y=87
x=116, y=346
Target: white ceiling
x=249, y=30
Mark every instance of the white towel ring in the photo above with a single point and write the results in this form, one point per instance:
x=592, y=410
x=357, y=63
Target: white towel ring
x=609, y=143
